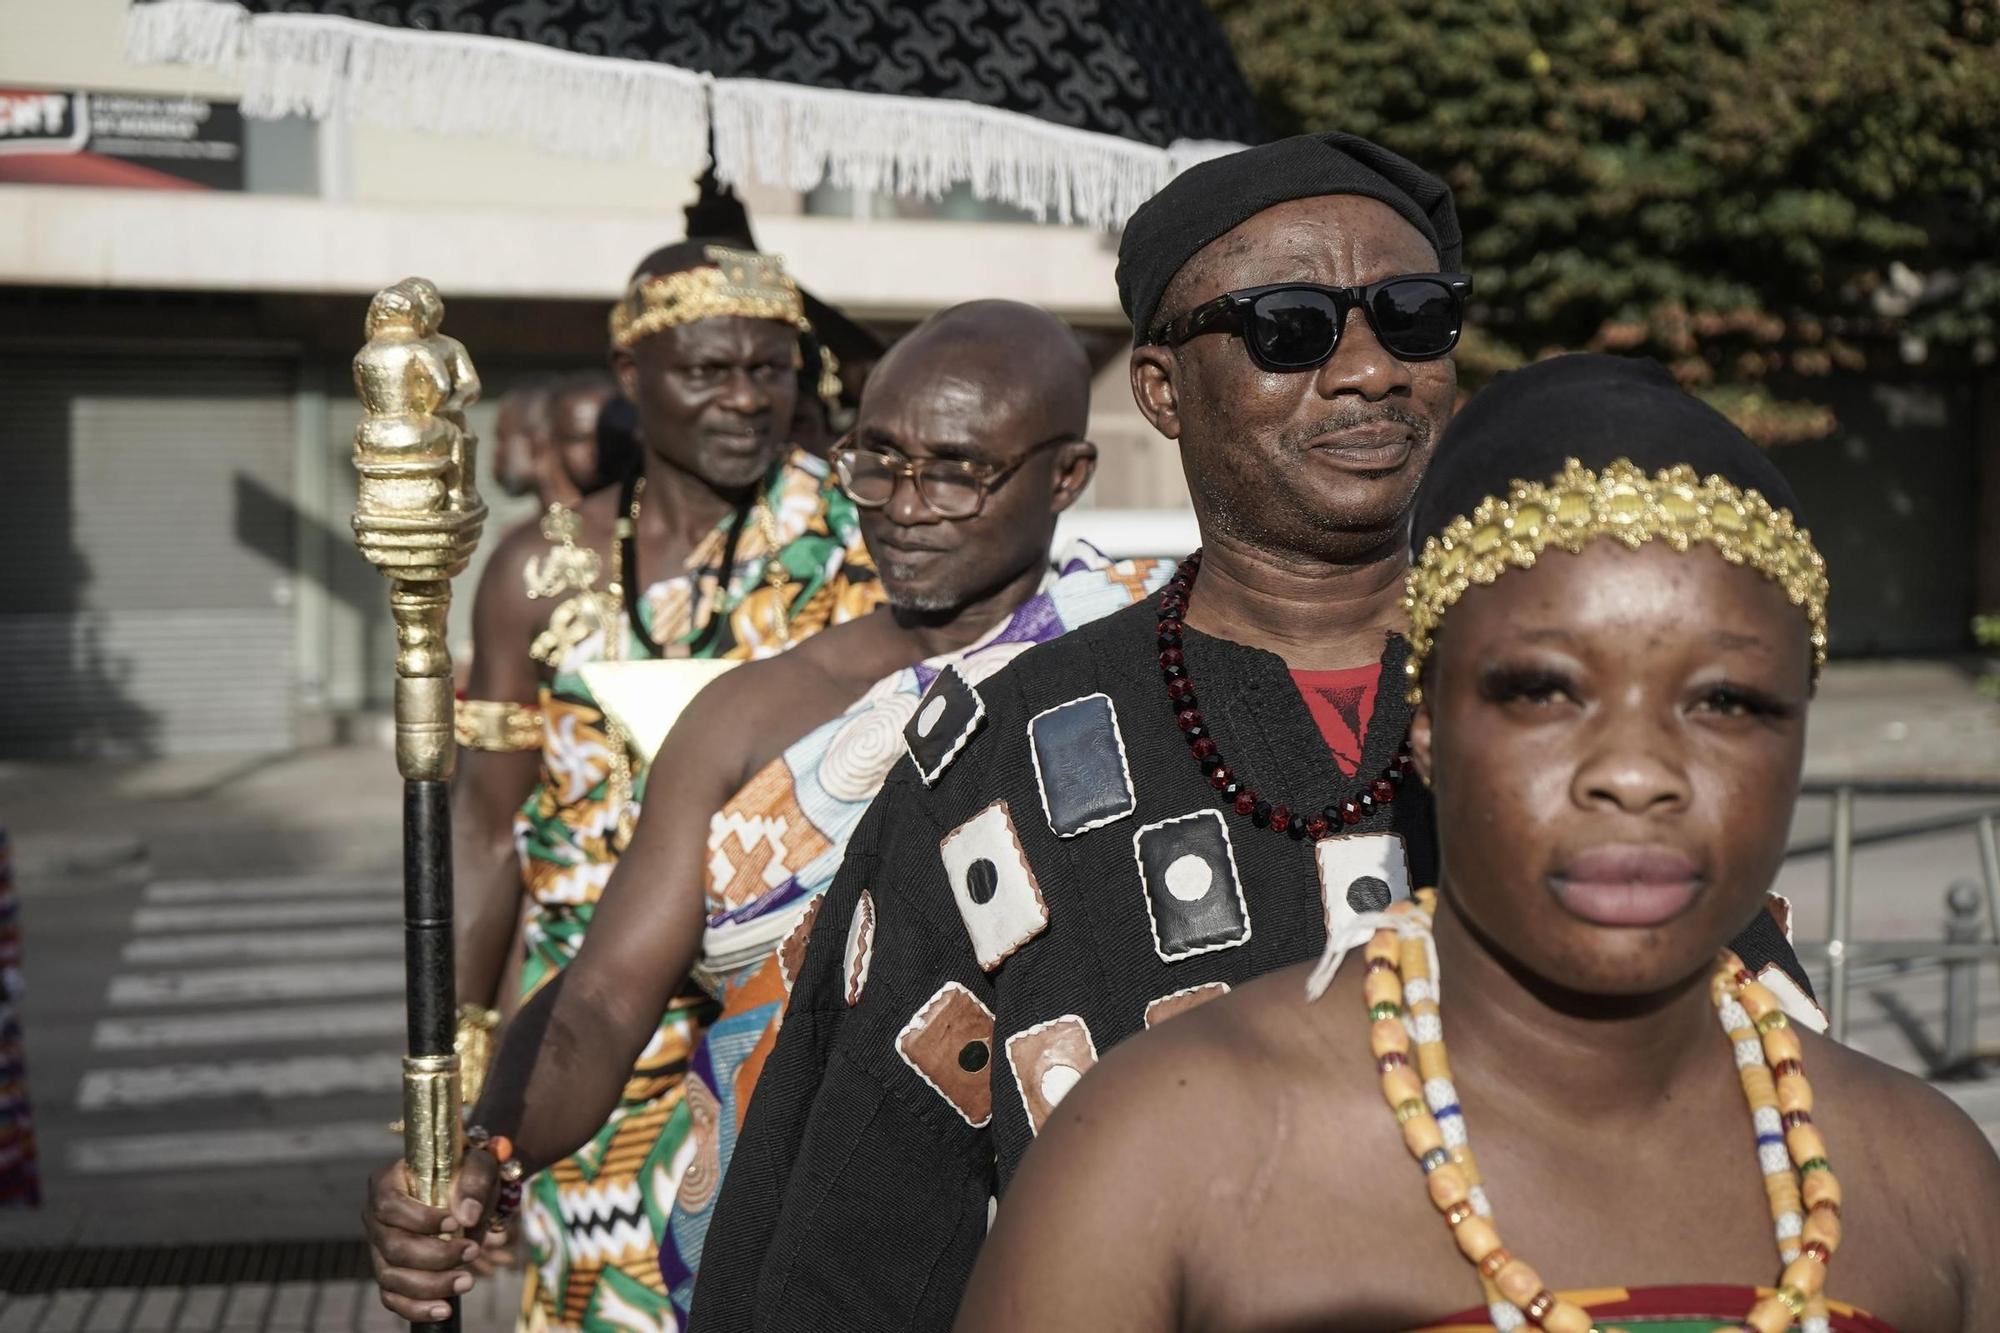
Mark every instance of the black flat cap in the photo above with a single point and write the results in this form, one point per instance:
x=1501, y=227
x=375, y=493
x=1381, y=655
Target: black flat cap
x=1214, y=197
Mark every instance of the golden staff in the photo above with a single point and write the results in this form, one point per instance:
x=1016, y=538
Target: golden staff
x=417, y=516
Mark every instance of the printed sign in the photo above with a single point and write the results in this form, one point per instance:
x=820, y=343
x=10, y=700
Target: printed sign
x=133, y=141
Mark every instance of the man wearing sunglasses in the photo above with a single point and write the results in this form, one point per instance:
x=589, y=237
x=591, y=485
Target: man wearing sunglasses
x=969, y=443
x=1154, y=808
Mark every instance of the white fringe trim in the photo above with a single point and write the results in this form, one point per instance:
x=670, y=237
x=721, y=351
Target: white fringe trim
x=775, y=133
x=438, y=82
x=795, y=137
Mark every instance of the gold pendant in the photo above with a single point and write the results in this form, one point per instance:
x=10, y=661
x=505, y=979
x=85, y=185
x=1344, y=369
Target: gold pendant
x=572, y=624
x=566, y=566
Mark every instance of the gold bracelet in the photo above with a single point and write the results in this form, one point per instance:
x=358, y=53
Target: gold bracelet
x=473, y=1043
x=498, y=724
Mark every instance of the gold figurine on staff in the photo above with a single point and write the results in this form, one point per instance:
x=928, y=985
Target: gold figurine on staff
x=418, y=512
x=417, y=518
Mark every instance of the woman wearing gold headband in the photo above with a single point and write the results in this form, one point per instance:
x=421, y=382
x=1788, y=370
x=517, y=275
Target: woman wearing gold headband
x=1617, y=626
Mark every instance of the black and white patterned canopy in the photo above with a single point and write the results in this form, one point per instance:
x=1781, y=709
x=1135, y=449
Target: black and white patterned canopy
x=1075, y=109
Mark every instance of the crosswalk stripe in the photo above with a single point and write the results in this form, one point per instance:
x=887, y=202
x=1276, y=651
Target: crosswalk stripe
x=270, y=1080
x=226, y=916
x=246, y=946
x=168, y=891
x=245, y=985
x=305, y=1022
x=198, y=1149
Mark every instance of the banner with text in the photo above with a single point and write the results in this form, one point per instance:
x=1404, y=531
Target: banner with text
x=134, y=141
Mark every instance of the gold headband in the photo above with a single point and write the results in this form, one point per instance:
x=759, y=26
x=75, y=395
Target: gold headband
x=741, y=282
x=1674, y=505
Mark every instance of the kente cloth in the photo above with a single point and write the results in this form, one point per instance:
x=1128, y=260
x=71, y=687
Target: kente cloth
x=1046, y=872
x=774, y=847
x=567, y=830
x=595, y=1220
x=1676, y=1309
x=20, y=1180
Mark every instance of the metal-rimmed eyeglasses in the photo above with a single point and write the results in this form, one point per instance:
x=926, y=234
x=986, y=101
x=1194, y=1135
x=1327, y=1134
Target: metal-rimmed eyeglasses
x=954, y=488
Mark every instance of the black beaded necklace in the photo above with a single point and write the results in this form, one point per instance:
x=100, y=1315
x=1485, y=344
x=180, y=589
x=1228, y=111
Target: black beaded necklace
x=627, y=544
x=1366, y=797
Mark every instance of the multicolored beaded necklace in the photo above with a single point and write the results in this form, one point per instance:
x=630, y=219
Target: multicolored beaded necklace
x=1401, y=995
x=1279, y=818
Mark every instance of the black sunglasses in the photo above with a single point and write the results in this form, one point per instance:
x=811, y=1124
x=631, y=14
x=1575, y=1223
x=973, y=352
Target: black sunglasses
x=1296, y=325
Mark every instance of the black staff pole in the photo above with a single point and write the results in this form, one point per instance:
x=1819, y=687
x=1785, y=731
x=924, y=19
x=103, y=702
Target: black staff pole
x=417, y=516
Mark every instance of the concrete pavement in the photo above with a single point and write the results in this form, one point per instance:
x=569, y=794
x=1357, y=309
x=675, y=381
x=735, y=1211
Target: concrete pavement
x=214, y=1023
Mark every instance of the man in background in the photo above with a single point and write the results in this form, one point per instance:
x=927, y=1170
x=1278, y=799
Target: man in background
x=520, y=438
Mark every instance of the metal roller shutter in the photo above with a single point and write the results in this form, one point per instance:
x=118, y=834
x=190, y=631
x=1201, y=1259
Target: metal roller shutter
x=146, y=553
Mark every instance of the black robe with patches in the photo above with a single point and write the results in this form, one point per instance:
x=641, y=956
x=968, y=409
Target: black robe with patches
x=880, y=1131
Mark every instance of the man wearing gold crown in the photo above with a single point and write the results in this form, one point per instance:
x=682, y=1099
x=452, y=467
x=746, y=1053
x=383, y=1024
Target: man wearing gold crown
x=724, y=542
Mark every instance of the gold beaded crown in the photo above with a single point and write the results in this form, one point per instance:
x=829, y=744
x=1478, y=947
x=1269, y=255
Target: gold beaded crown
x=733, y=282
x=1674, y=505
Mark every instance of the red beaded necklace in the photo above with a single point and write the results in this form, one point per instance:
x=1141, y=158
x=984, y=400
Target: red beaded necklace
x=1338, y=815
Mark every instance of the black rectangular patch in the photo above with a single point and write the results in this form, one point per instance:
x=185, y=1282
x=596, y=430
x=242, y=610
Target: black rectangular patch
x=1080, y=765
x=950, y=711
x=1193, y=896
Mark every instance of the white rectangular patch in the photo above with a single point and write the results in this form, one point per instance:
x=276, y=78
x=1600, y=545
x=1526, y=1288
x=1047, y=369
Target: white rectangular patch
x=1362, y=872
x=995, y=887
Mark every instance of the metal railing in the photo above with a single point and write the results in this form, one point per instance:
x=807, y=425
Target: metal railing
x=1961, y=952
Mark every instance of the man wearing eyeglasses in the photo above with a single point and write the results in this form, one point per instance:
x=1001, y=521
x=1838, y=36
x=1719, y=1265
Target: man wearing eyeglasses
x=969, y=443
x=1154, y=808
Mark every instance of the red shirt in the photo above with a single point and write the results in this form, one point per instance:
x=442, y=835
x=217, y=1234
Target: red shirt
x=1341, y=702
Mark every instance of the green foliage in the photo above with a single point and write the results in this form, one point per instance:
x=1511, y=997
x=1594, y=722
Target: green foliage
x=1743, y=188
x=1986, y=633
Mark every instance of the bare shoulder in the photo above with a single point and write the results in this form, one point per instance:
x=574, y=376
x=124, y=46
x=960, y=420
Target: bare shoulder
x=528, y=541
x=1918, y=1174
x=810, y=682
x=767, y=682
x=505, y=573
x=1110, y=1164
x=1251, y=1058
x=1184, y=1140
x=505, y=619
x=835, y=651
x=1885, y=1103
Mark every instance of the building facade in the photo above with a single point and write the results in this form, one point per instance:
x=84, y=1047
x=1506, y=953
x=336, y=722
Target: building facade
x=181, y=292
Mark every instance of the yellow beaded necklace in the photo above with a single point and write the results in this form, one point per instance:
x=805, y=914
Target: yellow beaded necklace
x=1401, y=995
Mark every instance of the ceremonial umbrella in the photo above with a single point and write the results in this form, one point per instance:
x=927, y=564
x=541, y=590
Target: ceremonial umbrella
x=1076, y=110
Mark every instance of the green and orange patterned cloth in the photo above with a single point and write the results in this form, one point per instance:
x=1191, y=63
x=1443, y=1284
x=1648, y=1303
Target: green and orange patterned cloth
x=595, y=1221
x=1675, y=1309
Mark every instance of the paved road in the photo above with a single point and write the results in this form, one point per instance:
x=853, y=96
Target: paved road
x=211, y=1060
x=249, y=1307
